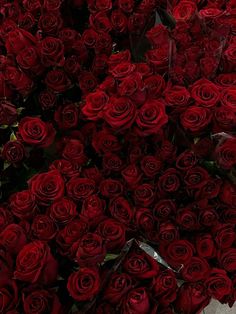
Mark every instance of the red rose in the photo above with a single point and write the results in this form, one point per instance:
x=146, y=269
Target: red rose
x=19, y=80
x=93, y=210
x=121, y=210
x=65, y=167
x=43, y=228
x=13, y=238
x=168, y=152
x=90, y=37
x=197, y=269
x=68, y=36
x=168, y=232
x=179, y=252
x=120, y=113
x=208, y=217
x=196, y=177
x=224, y=235
x=218, y=284
x=228, y=98
x=57, y=81
x=126, y=5
x=72, y=232
x=74, y=151
x=164, y=209
x=187, y=219
x=52, y=52
x=132, y=86
x=100, y=22
x=184, y=11
x=91, y=250
x=23, y=205
x=165, y=287
x=228, y=193
x=195, y=119
x=13, y=152
x=122, y=69
x=138, y=301
x=186, y=160
x=211, y=189
x=205, y=246
x=227, y=259
x=9, y=294
x=50, y=23
x=112, y=162
x=67, y=116
x=205, y=93
x=87, y=82
x=144, y=194
x=47, y=187
x=104, y=141
x=191, y=298
x=28, y=59
x=80, y=188
x=113, y=232
x=158, y=35
x=169, y=181
x=5, y=90
x=93, y=173
x=151, y=165
x=35, y=263
x=62, y=211
x=132, y=175
x=119, y=58
x=95, y=102
x=47, y=99
x=81, y=52
x=19, y=39
x=36, y=300
x=155, y=85
x=119, y=21
x=34, y=131
x=52, y=5
x=118, y=286
x=140, y=265
x=151, y=117
x=5, y=218
x=8, y=113
x=225, y=119
x=144, y=220
x=226, y=79
x=72, y=66
x=84, y=284
x=177, y=97
x=111, y=188
x=158, y=59
x=26, y=21
x=226, y=153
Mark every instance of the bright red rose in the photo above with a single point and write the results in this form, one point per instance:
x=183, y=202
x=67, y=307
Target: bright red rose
x=84, y=284
x=35, y=263
x=184, y=11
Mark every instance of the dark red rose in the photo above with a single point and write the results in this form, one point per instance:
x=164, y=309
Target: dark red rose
x=132, y=175
x=104, y=308
x=179, y=252
x=205, y=93
x=196, y=177
x=196, y=119
x=13, y=238
x=137, y=22
x=65, y=167
x=225, y=119
x=99, y=65
x=5, y=92
x=208, y=217
x=228, y=193
x=118, y=58
x=120, y=113
x=151, y=117
x=100, y=22
x=119, y=21
x=93, y=210
x=23, y=205
x=72, y=232
x=80, y=188
x=43, y=228
x=38, y=300
x=177, y=96
x=165, y=287
x=228, y=97
x=187, y=219
x=52, y=52
x=118, y=286
x=144, y=194
x=62, y=211
x=132, y=86
x=112, y=162
x=18, y=39
x=227, y=259
x=224, y=235
x=32, y=6
x=121, y=210
x=126, y=5
x=164, y=209
x=226, y=79
x=93, y=173
x=52, y=5
x=35, y=263
x=47, y=99
x=186, y=160
x=113, y=232
x=225, y=153
x=158, y=36
x=145, y=70
x=90, y=37
x=218, y=284
x=6, y=218
x=203, y=148
x=18, y=80
x=57, y=81
x=81, y=52
x=94, y=105
x=191, y=298
x=168, y=152
x=74, y=152
x=87, y=82
x=26, y=21
x=9, y=295
x=105, y=141
x=67, y=116
x=205, y=246
x=158, y=59
x=8, y=113
x=91, y=250
x=28, y=59
x=111, y=188
x=84, y=284
x=197, y=269
x=168, y=232
x=50, y=23
x=122, y=69
x=138, y=301
x=140, y=265
x=229, y=215
x=184, y=11
x=13, y=152
x=34, y=131
x=72, y=66
x=154, y=84
x=151, y=165
x=6, y=263
x=144, y=219
x=169, y=181
x=47, y=187
x=68, y=36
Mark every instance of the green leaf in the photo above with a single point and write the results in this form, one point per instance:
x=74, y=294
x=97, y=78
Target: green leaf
x=6, y=165
x=3, y=126
x=20, y=109
x=15, y=125
x=13, y=137
x=110, y=257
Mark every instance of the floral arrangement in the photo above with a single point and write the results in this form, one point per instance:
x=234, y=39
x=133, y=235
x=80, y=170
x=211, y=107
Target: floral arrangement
x=117, y=126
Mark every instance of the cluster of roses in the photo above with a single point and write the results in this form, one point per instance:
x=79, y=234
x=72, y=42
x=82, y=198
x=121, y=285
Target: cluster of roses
x=119, y=139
